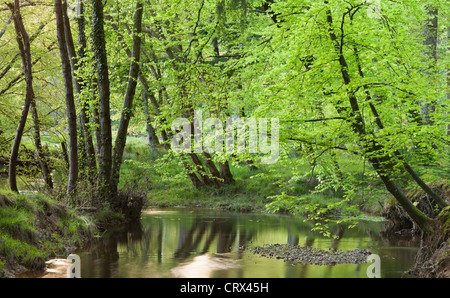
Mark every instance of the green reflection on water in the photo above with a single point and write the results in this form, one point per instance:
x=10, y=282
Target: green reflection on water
x=208, y=243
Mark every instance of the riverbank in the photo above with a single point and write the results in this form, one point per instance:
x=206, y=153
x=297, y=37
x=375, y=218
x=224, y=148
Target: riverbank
x=35, y=228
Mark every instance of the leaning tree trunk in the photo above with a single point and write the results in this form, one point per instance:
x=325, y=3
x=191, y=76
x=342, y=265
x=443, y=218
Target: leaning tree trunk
x=23, y=42
x=371, y=147
x=148, y=92
x=70, y=103
x=440, y=201
x=121, y=138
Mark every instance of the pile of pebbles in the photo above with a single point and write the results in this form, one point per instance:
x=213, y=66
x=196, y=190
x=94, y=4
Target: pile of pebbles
x=309, y=255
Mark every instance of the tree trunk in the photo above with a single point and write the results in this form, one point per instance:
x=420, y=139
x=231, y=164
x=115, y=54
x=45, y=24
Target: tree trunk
x=70, y=102
x=448, y=76
x=96, y=117
x=153, y=140
x=65, y=154
x=225, y=172
x=441, y=202
x=215, y=174
x=46, y=175
x=430, y=42
x=23, y=42
x=104, y=117
x=356, y=122
x=80, y=83
x=121, y=138
x=148, y=93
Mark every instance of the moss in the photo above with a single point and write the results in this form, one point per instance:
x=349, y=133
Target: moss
x=444, y=219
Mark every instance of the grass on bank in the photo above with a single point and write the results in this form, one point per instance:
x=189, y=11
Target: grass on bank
x=34, y=228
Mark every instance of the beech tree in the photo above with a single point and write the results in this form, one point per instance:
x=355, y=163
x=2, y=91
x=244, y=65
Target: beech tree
x=70, y=103
x=121, y=137
x=103, y=87
x=366, y=88
x=23, y=42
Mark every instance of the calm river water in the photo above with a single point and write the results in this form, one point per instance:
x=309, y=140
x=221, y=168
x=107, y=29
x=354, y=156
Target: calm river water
x=206, y=243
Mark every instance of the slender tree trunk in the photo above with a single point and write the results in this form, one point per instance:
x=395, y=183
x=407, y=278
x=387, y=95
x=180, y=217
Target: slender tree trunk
x=146, y=86
x=441, y=202
x=448, y=75
x=65, y=155
x=46, y=174
x=70, y=102
x=79, y=83
x=356, y=122
x=23, y=42
x=430, y=34
x=103, y=84
x=153, y=140
x=96, y=118
x=121, y=138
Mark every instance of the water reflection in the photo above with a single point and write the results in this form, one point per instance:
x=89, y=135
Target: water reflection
x=204, y=266
x=205, y=243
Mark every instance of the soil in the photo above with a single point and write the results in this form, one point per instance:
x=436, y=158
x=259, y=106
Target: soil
x=433, y=257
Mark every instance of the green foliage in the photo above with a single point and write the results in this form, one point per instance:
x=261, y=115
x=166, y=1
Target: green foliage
x=231, y=58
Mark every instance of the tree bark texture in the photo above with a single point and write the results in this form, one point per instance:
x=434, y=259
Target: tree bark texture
x=79, y=84
x=103, y=87
x=70, y=102
x=45, y=169
x=23, y=42
x=121, y=138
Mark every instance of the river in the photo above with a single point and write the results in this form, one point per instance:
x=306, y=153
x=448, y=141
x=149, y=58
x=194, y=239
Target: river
x=208, y=244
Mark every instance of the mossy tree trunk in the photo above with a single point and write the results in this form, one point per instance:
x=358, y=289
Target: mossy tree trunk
x=69, y=94
x=104, y=117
